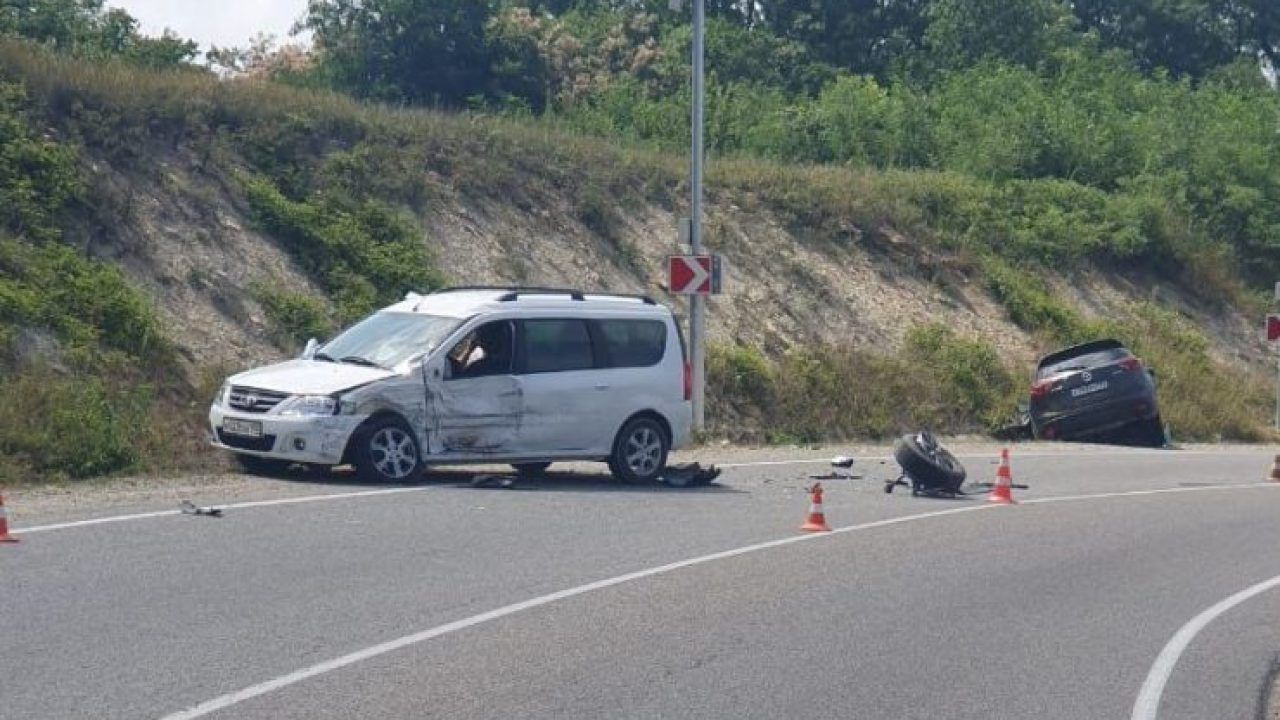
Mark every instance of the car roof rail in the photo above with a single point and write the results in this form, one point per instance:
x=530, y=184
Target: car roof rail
x=511, y=292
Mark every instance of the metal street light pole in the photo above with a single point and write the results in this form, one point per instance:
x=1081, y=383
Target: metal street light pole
x=697, y=304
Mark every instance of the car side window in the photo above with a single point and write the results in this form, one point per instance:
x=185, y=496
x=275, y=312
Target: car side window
x=486, y=350
x=633, y=343
x=556, y=346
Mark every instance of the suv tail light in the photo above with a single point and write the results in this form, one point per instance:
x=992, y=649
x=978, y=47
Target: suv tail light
x=1131, y=364
x=688, y=380
x=1041, y=388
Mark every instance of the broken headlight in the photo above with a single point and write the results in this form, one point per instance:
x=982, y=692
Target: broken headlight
x=307, y=405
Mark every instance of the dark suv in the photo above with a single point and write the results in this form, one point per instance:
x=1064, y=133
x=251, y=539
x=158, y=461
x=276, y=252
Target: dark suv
x=1095, y=391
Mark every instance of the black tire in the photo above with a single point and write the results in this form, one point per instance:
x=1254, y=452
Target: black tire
x=639, y=451
x=1150, y=432
x=531, y=469
x=265, y=467
x=387, y=451
x=928, y=464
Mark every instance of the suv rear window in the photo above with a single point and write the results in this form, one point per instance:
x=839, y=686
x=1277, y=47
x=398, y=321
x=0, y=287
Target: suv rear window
x=1084, y=362
x=556, y=346
x=634, y=343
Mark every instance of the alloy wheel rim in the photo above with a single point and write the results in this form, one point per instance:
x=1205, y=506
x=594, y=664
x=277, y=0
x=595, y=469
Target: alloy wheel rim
x=393, y=452
x=644, y=449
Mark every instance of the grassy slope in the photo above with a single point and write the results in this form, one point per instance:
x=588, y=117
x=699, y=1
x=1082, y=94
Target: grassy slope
x=343, y=189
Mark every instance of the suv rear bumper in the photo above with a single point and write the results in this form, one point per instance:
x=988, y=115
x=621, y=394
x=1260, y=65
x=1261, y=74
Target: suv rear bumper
x=1094, y=419
x=314, y=440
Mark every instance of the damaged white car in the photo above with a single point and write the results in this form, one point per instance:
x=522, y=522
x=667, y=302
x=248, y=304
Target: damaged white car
x=526, y=376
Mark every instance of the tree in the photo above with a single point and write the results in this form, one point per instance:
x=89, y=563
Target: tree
x=85, y=28
x=1185, y=37
x=403, y=50
x=862, y=36
x=962, y=33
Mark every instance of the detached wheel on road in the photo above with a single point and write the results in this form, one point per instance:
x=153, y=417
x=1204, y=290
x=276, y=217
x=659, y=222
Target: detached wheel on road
x=387, y=452
x=930, y=466
x=639, y=451
x=533, y=469
x=266, y=467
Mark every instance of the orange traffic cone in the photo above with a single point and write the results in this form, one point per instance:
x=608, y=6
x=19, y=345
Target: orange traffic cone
x=817, y=522
x=1275, y=470
x=1002, y=491
x=5, y=537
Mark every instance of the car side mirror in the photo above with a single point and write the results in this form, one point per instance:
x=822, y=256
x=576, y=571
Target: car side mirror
x=1152, y=373
x=309, y=351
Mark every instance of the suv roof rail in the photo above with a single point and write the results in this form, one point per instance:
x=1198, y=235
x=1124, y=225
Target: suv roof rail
x=513, y=292
x=1081, y=349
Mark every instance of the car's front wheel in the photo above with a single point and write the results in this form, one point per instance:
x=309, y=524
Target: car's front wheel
x=387, y=451
x=640, y=451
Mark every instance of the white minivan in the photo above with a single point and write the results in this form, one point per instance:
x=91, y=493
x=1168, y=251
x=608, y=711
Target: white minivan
x=526, y=376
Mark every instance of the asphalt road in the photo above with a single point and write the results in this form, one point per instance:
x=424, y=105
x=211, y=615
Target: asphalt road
x=1054, y=608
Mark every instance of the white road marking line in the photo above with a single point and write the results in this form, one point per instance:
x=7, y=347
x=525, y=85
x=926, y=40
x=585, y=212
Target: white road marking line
x=995, y=455
x=231, y=506
x=225, y=701
x=389, y=491
x=1148, y=703
x=1140, y=493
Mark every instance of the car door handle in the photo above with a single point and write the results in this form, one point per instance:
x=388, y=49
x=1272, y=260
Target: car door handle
x=602, y=386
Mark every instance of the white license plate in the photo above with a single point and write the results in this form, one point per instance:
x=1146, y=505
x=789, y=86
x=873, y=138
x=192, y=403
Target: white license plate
x=1090, y=388
x=248, y=428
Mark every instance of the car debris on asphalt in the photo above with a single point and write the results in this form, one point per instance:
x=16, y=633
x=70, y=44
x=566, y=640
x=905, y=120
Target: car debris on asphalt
x=497, y=481
x=189, y=508
x=838, y=463
x=689, y=475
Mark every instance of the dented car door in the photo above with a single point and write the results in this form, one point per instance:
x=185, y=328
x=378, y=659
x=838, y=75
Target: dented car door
x=477, y=410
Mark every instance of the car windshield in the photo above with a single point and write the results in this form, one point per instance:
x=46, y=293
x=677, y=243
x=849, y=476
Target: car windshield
x=1084, y=362
x=386, y=339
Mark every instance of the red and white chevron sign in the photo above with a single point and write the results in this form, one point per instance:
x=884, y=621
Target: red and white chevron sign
x=693, y=274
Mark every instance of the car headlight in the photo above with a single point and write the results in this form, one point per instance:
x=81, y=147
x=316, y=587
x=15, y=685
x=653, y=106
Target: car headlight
x=221, y=398
x=305, y=405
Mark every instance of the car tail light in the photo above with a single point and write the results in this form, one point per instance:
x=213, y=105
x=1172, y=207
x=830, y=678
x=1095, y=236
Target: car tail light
x=1131, y=364
x=688, y=380
x=1041, y=388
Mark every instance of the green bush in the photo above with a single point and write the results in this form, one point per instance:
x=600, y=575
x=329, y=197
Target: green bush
x=830, y=392
x=296, y=317
x=37, y=176
x=738, y=375
x=88, y=304
x=363, y=253
x=75, y=426
x=975, y=386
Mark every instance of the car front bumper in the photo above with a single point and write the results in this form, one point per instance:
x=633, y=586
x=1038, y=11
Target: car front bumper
x=318, y=440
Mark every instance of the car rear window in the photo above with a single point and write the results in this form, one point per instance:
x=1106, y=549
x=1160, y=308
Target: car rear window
x=634, y=343
x=557, y=346
x=1084, y=362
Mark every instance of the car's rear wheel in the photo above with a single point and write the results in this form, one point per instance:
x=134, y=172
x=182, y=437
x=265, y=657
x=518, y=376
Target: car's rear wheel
x=1150, y=432
x=267, y=467
x=531, y=469
x=387, y=451
x=639, y=451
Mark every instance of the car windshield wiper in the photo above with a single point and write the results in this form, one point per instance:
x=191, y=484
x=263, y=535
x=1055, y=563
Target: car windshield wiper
x=357, y=360
x=322, y=357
